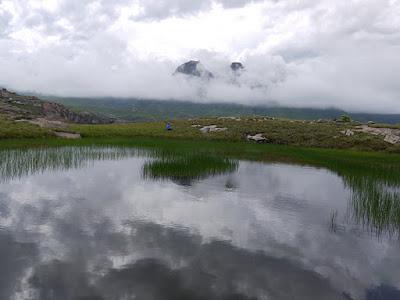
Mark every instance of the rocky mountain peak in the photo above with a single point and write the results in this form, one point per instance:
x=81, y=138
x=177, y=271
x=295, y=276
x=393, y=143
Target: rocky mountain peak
x=237, y=66
x=194, y=68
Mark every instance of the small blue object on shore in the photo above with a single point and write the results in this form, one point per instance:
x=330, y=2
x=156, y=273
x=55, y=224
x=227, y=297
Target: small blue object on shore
x=168, y=127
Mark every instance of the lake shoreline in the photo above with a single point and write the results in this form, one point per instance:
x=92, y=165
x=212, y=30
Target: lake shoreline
x=372, y=177
x=322, y=143
x=238, y=150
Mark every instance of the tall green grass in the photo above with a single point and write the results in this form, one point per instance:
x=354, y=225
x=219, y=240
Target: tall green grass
x=188, y=167
x=375, y=201
x=17, y=163
x=372, y=178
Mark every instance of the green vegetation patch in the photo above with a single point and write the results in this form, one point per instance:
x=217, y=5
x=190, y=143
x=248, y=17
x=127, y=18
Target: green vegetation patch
x=281, y=132
x=188, y=167
x=17, y=130
x=373, y=178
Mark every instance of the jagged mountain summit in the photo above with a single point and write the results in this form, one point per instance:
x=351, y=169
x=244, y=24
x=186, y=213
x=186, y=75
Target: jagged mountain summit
x=194, y=68
x=237, y=66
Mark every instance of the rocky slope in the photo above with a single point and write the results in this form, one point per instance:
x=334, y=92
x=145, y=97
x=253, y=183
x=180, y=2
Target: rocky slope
x=20, y=107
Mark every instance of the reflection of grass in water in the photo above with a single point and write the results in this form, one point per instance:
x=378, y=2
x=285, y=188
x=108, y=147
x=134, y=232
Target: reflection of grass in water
x=375, y=203
x=332, y=223
x=22, y=162
x=188, y=167
x=373, y=178
x=375, y=192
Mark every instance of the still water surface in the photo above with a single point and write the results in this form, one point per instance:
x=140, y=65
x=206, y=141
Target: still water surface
x=90, y=223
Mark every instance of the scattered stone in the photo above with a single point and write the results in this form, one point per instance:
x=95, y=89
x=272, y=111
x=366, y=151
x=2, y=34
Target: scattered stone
x=230, y=118
x=67, y=135
x=391, y=135
x=259, y=138
x=269, y=118
x=195, y=125
x=347, y=132
x=212, y=128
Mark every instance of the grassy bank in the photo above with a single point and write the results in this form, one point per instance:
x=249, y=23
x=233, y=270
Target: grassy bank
x=17, y=130
x=279, y=132
x=250, y=151
x=305, y=134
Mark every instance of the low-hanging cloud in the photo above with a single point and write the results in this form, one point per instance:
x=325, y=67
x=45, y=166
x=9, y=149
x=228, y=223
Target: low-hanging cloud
x=155, y=9
x=342, y=54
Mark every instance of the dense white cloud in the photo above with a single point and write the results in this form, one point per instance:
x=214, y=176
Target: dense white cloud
x=297, y=53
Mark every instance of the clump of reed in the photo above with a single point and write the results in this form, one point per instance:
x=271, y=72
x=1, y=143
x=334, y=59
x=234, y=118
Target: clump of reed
x=375, y=204
x=188, y=167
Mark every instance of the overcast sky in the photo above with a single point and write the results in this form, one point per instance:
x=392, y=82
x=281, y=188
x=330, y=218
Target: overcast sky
x=341, y=53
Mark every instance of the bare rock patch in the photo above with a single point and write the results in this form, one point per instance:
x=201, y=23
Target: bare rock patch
x=212, y=128
x=390, y=135
x=67, y=135
x=259, y=138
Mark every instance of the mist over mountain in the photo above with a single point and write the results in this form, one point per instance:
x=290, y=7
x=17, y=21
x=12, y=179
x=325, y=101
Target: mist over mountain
x=295, y=53
x=154, y=110
x=194, y=68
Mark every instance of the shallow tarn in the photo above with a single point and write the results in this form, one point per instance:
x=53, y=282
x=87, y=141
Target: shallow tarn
x=95, y=223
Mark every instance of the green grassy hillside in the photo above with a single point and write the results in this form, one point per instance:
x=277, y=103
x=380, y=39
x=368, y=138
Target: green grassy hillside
x=276, y=131
x=155, y=110
x=279, y=131
x=11, y=129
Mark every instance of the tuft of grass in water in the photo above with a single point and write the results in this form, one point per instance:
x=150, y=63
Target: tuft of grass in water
x=188, y=167
x=17, y=163
x=375, y=202
x=372, y=178
x=332, y=223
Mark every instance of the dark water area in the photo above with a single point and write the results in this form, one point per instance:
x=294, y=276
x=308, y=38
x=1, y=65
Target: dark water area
x=121, y=223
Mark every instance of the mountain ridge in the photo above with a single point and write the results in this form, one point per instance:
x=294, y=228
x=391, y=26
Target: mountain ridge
x=134, y=109
x=108, y=109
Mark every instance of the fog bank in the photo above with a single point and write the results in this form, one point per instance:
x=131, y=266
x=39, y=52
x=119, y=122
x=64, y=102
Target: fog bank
x=342, y=54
